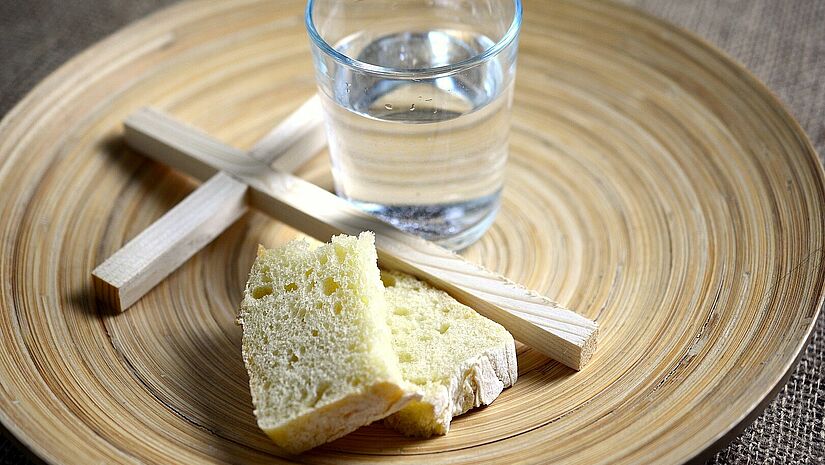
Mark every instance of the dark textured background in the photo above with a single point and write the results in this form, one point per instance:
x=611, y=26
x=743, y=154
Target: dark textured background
x=781, y=41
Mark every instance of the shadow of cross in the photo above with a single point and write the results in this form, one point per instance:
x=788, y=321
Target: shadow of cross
x=532, y=318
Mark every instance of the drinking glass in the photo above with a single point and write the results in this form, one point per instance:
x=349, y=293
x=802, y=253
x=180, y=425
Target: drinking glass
x=417, y=97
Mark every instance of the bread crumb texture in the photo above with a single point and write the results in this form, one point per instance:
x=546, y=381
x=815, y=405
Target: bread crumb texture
x=316, y=342
x=331, y=344
x=455, y=357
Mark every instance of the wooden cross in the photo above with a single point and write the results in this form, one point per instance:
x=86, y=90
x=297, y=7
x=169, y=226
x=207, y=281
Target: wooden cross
x=234, y=179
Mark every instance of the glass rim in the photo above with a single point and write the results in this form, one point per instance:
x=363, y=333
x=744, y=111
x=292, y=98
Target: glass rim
x=416, y=73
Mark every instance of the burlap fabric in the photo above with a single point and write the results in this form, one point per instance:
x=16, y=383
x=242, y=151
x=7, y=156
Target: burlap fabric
x=781, y=41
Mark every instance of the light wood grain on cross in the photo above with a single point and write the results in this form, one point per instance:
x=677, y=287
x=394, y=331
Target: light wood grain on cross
x=156, y=252
x=533, y=319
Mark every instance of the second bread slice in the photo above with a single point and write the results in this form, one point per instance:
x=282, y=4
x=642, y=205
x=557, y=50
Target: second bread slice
x=455, y=357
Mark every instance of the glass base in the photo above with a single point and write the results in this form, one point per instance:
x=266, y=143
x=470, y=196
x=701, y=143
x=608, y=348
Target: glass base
x=451, y=225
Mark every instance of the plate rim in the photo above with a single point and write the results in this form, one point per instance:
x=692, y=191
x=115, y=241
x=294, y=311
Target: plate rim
x=18, y=436
x=738, y=426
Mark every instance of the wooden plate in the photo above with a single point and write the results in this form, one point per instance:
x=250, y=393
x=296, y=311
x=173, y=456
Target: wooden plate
x=654, y=185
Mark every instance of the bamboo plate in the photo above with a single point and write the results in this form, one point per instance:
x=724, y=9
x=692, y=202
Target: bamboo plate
x=653, y=185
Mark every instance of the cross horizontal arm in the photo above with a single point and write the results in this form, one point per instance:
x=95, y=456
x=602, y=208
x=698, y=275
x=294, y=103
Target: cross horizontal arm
x=532, y=319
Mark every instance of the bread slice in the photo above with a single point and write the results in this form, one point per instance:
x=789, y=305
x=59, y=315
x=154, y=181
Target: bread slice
x=457, y=358
x=316, y=342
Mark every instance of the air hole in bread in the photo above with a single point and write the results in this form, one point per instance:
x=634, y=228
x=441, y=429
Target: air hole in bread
x=341, y=253
x=291, y=287
x=323, y=387
x=444, y=327
x=330, y=286
x=401, y=311
x=261, y=291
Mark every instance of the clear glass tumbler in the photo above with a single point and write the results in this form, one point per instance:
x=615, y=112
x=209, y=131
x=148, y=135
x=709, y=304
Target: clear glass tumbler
x=417, y=97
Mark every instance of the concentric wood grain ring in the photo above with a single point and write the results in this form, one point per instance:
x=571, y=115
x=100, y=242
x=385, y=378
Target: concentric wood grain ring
x=653, y=185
